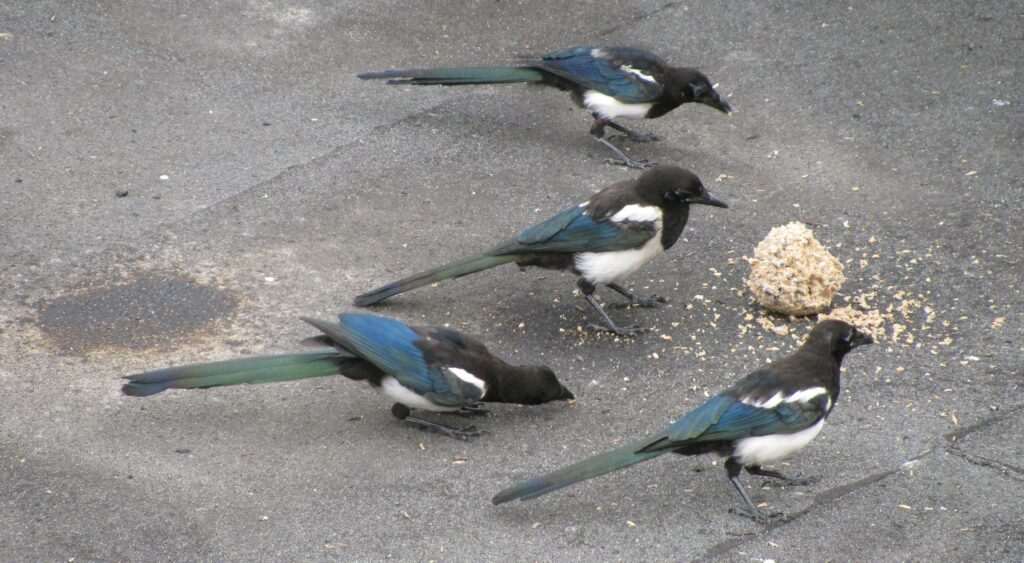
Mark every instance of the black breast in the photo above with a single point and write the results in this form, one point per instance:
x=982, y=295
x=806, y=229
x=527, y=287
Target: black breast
x=673, y=222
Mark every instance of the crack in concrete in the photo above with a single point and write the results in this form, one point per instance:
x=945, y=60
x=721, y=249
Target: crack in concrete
x=965, y=431
x=821, y=499
x=333, y=152
x=954, y=439
x=1011, y=471
x=831, y=495
x=827, y=496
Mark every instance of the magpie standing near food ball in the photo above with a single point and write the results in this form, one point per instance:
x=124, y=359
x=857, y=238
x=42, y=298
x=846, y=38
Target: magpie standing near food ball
x=427, y=368
x=609, y=82
x=766, y=417
x=603, y=240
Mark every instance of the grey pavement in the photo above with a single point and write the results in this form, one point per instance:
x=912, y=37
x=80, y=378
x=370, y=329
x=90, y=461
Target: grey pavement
x=264, y=181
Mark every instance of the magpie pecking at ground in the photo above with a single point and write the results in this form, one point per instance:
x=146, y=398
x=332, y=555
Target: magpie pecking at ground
x=427, y=368
x=765, y=417
x=603, y=240
x=610, y=82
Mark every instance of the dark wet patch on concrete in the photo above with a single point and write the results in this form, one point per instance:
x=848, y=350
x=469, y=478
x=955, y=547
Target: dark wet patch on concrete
x=142, y=311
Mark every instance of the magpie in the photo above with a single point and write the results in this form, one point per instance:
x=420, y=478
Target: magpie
x=765, y=417
x=609, y=82
x=428, y=368
x=603, y=240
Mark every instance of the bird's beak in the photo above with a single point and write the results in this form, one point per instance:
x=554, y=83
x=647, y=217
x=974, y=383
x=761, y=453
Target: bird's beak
x=567, y=395
x=707, y=198
x=718, y=103
x=861, y=339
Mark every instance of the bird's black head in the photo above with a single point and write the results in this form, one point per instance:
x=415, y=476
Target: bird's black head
x=838, y=337
x=532, y=385
x=697, y=88
x=671, y=185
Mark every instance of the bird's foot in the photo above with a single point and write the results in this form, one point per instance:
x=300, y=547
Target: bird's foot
x=618, y=330
x=759, y=516
x=472, y=410
x=465, y=433
x=630, y=163
x=790, y=482
x=651, y=302
x=639, y=137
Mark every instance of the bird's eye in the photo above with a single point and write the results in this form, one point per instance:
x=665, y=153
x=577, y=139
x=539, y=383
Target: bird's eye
x=699, y=90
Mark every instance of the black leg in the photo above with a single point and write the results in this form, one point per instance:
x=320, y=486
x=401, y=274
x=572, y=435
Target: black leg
x=401, y=412
x=610, y=326
x=622, y=159
x=597, y=130
x=733, y=468
x=587, y=289
x=652, y=301
x=633, y=135
x=783, y=480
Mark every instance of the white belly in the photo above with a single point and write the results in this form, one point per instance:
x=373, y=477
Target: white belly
x=760, y=450
x=617, y=265
x=610, y=108
x=399, y=393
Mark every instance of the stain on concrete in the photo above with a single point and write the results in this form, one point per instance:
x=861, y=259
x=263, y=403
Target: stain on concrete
x=142, y=311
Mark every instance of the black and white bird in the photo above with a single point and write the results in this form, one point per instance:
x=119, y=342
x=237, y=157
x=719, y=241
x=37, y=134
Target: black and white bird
x=609, y=82
x=427, y=368
x=766, y=417
x=604, y=240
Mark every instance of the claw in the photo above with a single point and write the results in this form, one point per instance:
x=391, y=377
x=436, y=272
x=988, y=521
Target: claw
x=630, y=163
x=651, y=302
x=458, y=433
x=473, y=410
x=465, y=433
x=759, y=516
x=629, y=331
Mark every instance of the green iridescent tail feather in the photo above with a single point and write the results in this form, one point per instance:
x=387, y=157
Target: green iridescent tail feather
x=619, y=458
x=457, y=76
x=264, y=369
x=446, y=272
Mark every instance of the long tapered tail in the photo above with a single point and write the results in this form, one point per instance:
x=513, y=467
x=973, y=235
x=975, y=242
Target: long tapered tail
x=448, y=271
x=265, y=369
x=457, y=76
x=619, y=458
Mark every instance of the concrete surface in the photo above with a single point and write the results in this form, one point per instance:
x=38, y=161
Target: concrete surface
x=265, y=181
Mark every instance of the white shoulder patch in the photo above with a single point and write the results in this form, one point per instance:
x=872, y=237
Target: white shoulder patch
x=598, y=53
x=770, y=402
x=469, y=378
x=638, y=213
x=801, y=396
x=804, y=395
x=639, y=74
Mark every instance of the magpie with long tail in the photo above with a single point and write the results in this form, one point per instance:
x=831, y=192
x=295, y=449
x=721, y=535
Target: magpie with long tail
x=603, y=240
x=426, y=368
x=609, y=82
x=765, y=417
